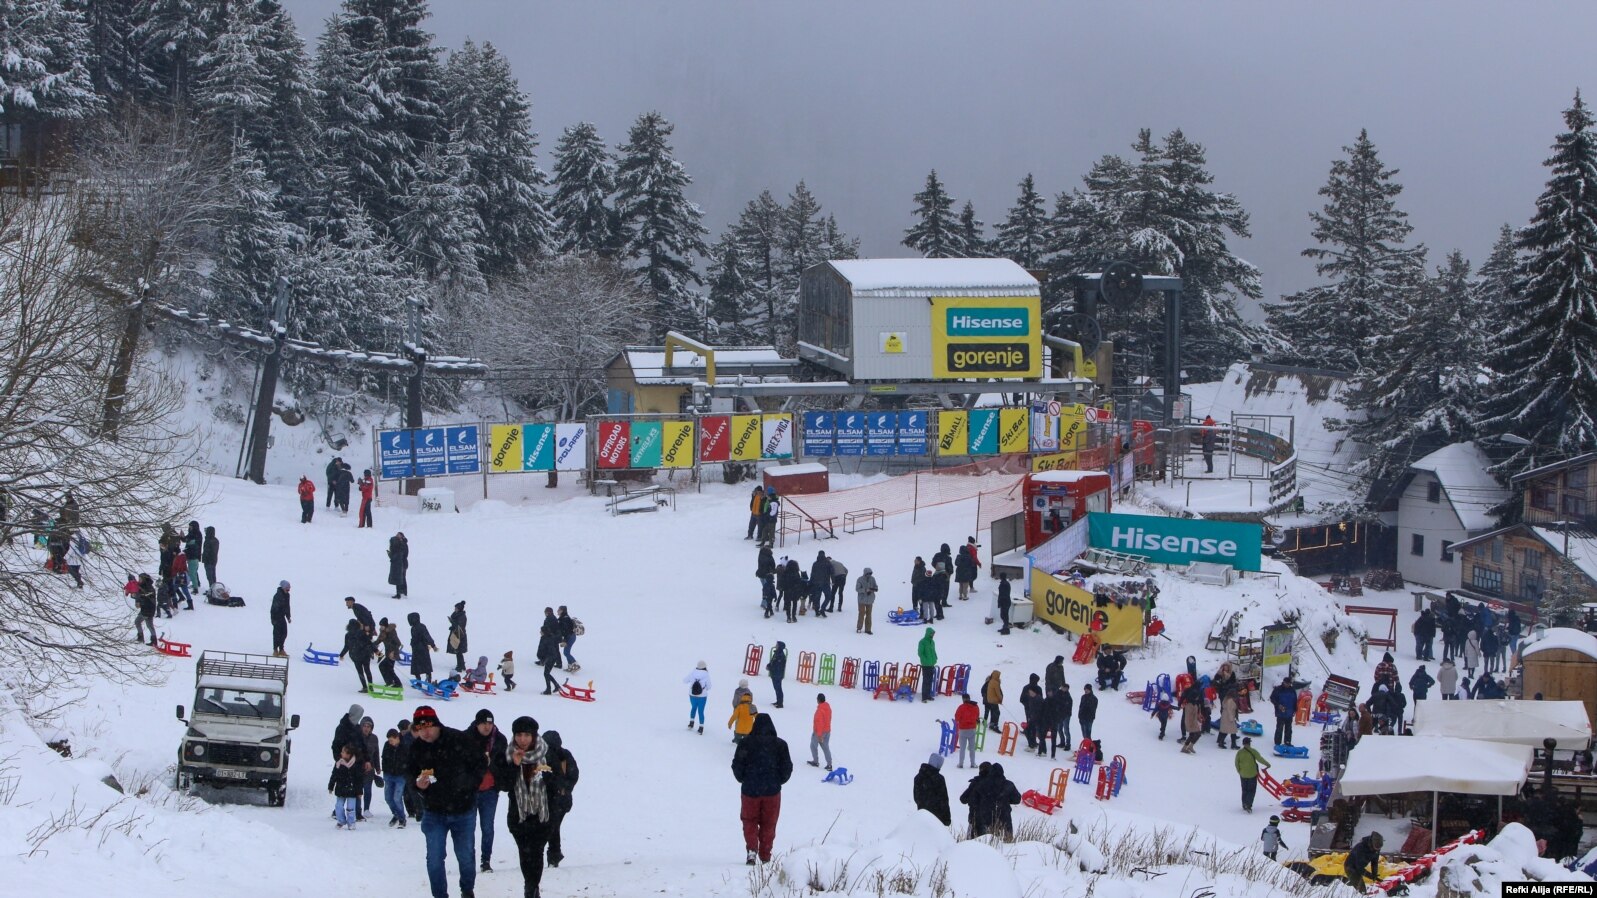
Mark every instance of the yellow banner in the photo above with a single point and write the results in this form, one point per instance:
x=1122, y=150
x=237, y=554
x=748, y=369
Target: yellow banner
x=745, y=437
x=1073, y=426
x=504, y=448
x=1076, y=610
x=676, y=444
x=1014, y=434
x=952, y=433
x=1059, y=461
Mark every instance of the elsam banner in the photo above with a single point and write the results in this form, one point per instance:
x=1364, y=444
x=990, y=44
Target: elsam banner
x=1060, y=603
x=951, y=430
x=881, y=432
x=571, y=446
x=676, y=444
x=776, y=436
x=1013, y=432
x=715, y=438
x=984, y=431
x=819, y=432
x=1178, y=540
x=430, y=445
x=851, y=433
x=911, y=433
x=393, y=454
x=504, y=448
x=537, y=447
x=645, y=444
x=745, y=437
x=464, y=453
x=615, y=444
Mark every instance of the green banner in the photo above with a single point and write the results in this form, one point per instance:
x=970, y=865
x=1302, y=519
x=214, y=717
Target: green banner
x=538, y=447
x=984, y=431
x=645, y=444
x=1177, y=540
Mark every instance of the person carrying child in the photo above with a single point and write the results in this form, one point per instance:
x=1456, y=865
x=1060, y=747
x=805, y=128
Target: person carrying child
x=345, y=786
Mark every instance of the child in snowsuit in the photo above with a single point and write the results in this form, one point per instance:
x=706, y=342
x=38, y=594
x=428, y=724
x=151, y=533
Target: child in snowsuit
x=1271, y=839
x=478, y=674
x=346, y=784
x=507, y=669
x=1161, y=712
x=742, y=719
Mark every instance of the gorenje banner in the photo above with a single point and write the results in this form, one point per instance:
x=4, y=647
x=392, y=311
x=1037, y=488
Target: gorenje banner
x=1177, y=540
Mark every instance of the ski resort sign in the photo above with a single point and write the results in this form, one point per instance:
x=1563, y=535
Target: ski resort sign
x=1177, y=540
x=428, y=451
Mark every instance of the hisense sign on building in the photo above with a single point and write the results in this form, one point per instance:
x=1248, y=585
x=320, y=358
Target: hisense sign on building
x=1177, y=540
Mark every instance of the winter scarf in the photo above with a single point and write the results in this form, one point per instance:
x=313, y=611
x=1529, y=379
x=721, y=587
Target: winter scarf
x=531, y=795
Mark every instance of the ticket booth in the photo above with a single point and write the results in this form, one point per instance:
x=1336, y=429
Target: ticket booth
x=1056, y=499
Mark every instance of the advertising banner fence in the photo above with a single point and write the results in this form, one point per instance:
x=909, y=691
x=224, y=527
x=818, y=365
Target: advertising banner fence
x=1178, y=540
x=1076, y=610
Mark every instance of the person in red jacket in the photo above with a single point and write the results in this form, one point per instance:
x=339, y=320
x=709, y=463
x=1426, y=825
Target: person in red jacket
x=307, y=499
x=821, y=734
x=368, y=490
x=966, y=719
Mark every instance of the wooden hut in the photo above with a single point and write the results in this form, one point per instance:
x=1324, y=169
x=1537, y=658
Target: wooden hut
x=1562, y=664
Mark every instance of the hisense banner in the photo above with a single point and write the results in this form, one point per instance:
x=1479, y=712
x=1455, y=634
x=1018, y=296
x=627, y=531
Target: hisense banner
x=1177, y=540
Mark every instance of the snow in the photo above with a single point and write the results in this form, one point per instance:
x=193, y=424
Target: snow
x=1383, y=765
x=1461, y=468
x=1064, y=476
x=1520, y=722
x=648, y=364
x=809, y=467
x=933, y=275
x=1582, y=546
x=1567, y=638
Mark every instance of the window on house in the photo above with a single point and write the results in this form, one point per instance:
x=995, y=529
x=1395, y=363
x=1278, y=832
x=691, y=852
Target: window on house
x=1533, y=559
x=1541, y=497
x=1417, y=544
x=1497, y=550
x=1447, y=551
x=1574, y=505
x=1433, y=491
x=1531, y=586
x=1575, y=478
x=1486, y=579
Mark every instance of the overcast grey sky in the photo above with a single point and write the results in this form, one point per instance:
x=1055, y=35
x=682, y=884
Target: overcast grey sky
x=860, y=98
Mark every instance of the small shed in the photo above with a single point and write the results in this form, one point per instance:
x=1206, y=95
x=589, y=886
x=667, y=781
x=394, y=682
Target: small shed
x=798, y=480
x=1562, y=664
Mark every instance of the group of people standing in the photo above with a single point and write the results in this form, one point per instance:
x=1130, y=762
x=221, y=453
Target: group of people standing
x=1471, y=637
x=340, y=478
x=182, y=557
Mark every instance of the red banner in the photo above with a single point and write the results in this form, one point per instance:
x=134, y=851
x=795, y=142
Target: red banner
x=615, y=444
x=1142, y=442
x=714, y=442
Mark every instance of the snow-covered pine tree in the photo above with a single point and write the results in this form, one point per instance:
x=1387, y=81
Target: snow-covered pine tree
x=350, y=293
x=584, y=180
x=759, y=236
x=253, y=242
x=935, y=233
x=1416, y=391
x=437, y=229
x=115, y=62
x=1360, y=235
x=731, y=291
x=970, y=231
x=1024, y=232
x=1494, y=285
x=234, y=92
x=802, y=235
x=1546, y=391
x=172, y=35
x=287, y=140
x=661, y=227
x=490, y=123
x=44, y=51
x=834, y=243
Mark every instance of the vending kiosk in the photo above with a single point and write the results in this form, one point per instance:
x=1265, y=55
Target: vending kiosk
x=1057, y=499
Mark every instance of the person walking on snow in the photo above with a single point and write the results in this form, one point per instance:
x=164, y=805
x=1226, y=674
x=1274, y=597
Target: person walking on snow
x=864, y=601
x=777, y=668
x=568, y=636
x=282, y=616
x=307, y=499
x=421, y=648
x=821, y=593
x=549, y=655
x=457, y=636
x=208, y=553
x=755, y=502
x=966, y=718
x=1248, y=761
x=1447, y=680
x=765, y=572
x=344, y=785
x=927, y=652
x=966, y=564
x=447, y=769
x=839, y=580
x=1004, y=603
x=562, y=779
x=1226, y=686
x=487, y=738
x=193, y=549
x=1270, y=839
x=522, y=770
x=358, y=646
x=1284, y=699
x=761, y=765
x=399, y=564
x=1056, y=714
x=1424, y=634
x=368, y=492
x=1420, y=683
x=821, y=732
x=992, y=697
x=1087, y=710
x=742, y=719
x=1031, y=703
x=333, y=467
x=931, y=790
x=142, y=592
x=698, y=683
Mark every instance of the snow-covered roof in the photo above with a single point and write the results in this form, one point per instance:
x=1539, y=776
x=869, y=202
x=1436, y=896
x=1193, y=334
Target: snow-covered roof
x=1561, y=638
x=240, y=684
x=1461, y=468
x=648, y=364
x=1521, y=723
x=813, y=467
x=1581, y=546
x=1385, y=765
x=937, y=276
x=1536, y=473
x=1065, y=476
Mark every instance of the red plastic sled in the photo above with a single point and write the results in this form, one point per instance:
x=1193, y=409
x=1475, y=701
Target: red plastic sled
x=485, y=688
x=577, y=693
x=1039, y=802
x=175, y=649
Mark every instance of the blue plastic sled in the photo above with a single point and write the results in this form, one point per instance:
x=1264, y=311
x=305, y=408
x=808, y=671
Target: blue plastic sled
x=1326, y=718
x=443, y=690
x=946, y=744
x=1251, y=728
x=905, y=692
x=314, y=657
x=841, y=776
x=1291, y=751
x=904, y=618
x=404, y=658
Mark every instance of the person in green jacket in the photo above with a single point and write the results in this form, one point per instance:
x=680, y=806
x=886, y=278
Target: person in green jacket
x=928, y=665
x=1248, y=762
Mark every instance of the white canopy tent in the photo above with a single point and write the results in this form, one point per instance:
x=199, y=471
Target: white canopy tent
x=1385, y=765
x=1514, y=722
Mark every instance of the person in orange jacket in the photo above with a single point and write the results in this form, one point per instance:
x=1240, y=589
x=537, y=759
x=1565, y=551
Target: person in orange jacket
x=368, y=490
x=307, y=499
x=821, y=732
x=742, y=719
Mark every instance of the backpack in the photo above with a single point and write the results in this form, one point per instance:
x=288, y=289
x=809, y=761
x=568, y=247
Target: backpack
x=698, y=687
x=577, y=629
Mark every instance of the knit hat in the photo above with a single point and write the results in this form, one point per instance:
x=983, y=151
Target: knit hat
x=744, y=682
x=936, y=760
x=483, y=716
x=424, y=714
x=1274, y=819
x=461, y=603
x=702, y=666
x=356, y=712
x=282, y=584
x=524, y=724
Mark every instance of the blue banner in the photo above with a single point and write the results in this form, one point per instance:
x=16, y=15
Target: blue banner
x=850, y=433
x=819, y=430
x=984, y=431
x=537, y=447
x=881, y=433
x=464, y=453
x=431, y=447
x=393, y=454
x=912, y=433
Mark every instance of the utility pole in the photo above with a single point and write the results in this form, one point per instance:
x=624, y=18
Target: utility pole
x=418, y=358
x=261, y=426
x=116, y=388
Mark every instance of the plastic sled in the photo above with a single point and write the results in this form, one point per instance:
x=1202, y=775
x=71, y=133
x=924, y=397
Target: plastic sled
x=840, y=776
x=1039, y=802
x=404, y=658
x=314, y=657
x=1139, y=698
x=484, y=688
x=905, y=692
x=443, y=690
x=175, y=649
x=1326, y=718
x=1291, y=751
x=577, y=693
x=903, y=618
x=946, y=743
x=392, y=693
x=1251, y=728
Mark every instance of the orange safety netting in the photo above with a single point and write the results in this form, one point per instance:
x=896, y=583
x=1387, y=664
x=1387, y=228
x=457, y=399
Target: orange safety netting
x=995, y=482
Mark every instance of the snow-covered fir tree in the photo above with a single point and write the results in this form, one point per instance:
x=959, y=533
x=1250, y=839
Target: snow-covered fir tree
x=935, y=233
x=234, y=91
x=970, y=231
x=353, y=155
x=489, y=118
x=803, y=236
x=584, y=181
x=1023, y=235
x=287, y=139
x=660, y=225
x=1416, y=392
x=350, y=293
x=731, y=292
x=1546, y=391
x=253, y=241
x=835, y=244
x=44, y=50
x=1360, y=235
x=172, y=35
x=1494, y=285
x=759, y=234
x=437, y=229
x=115, y=61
